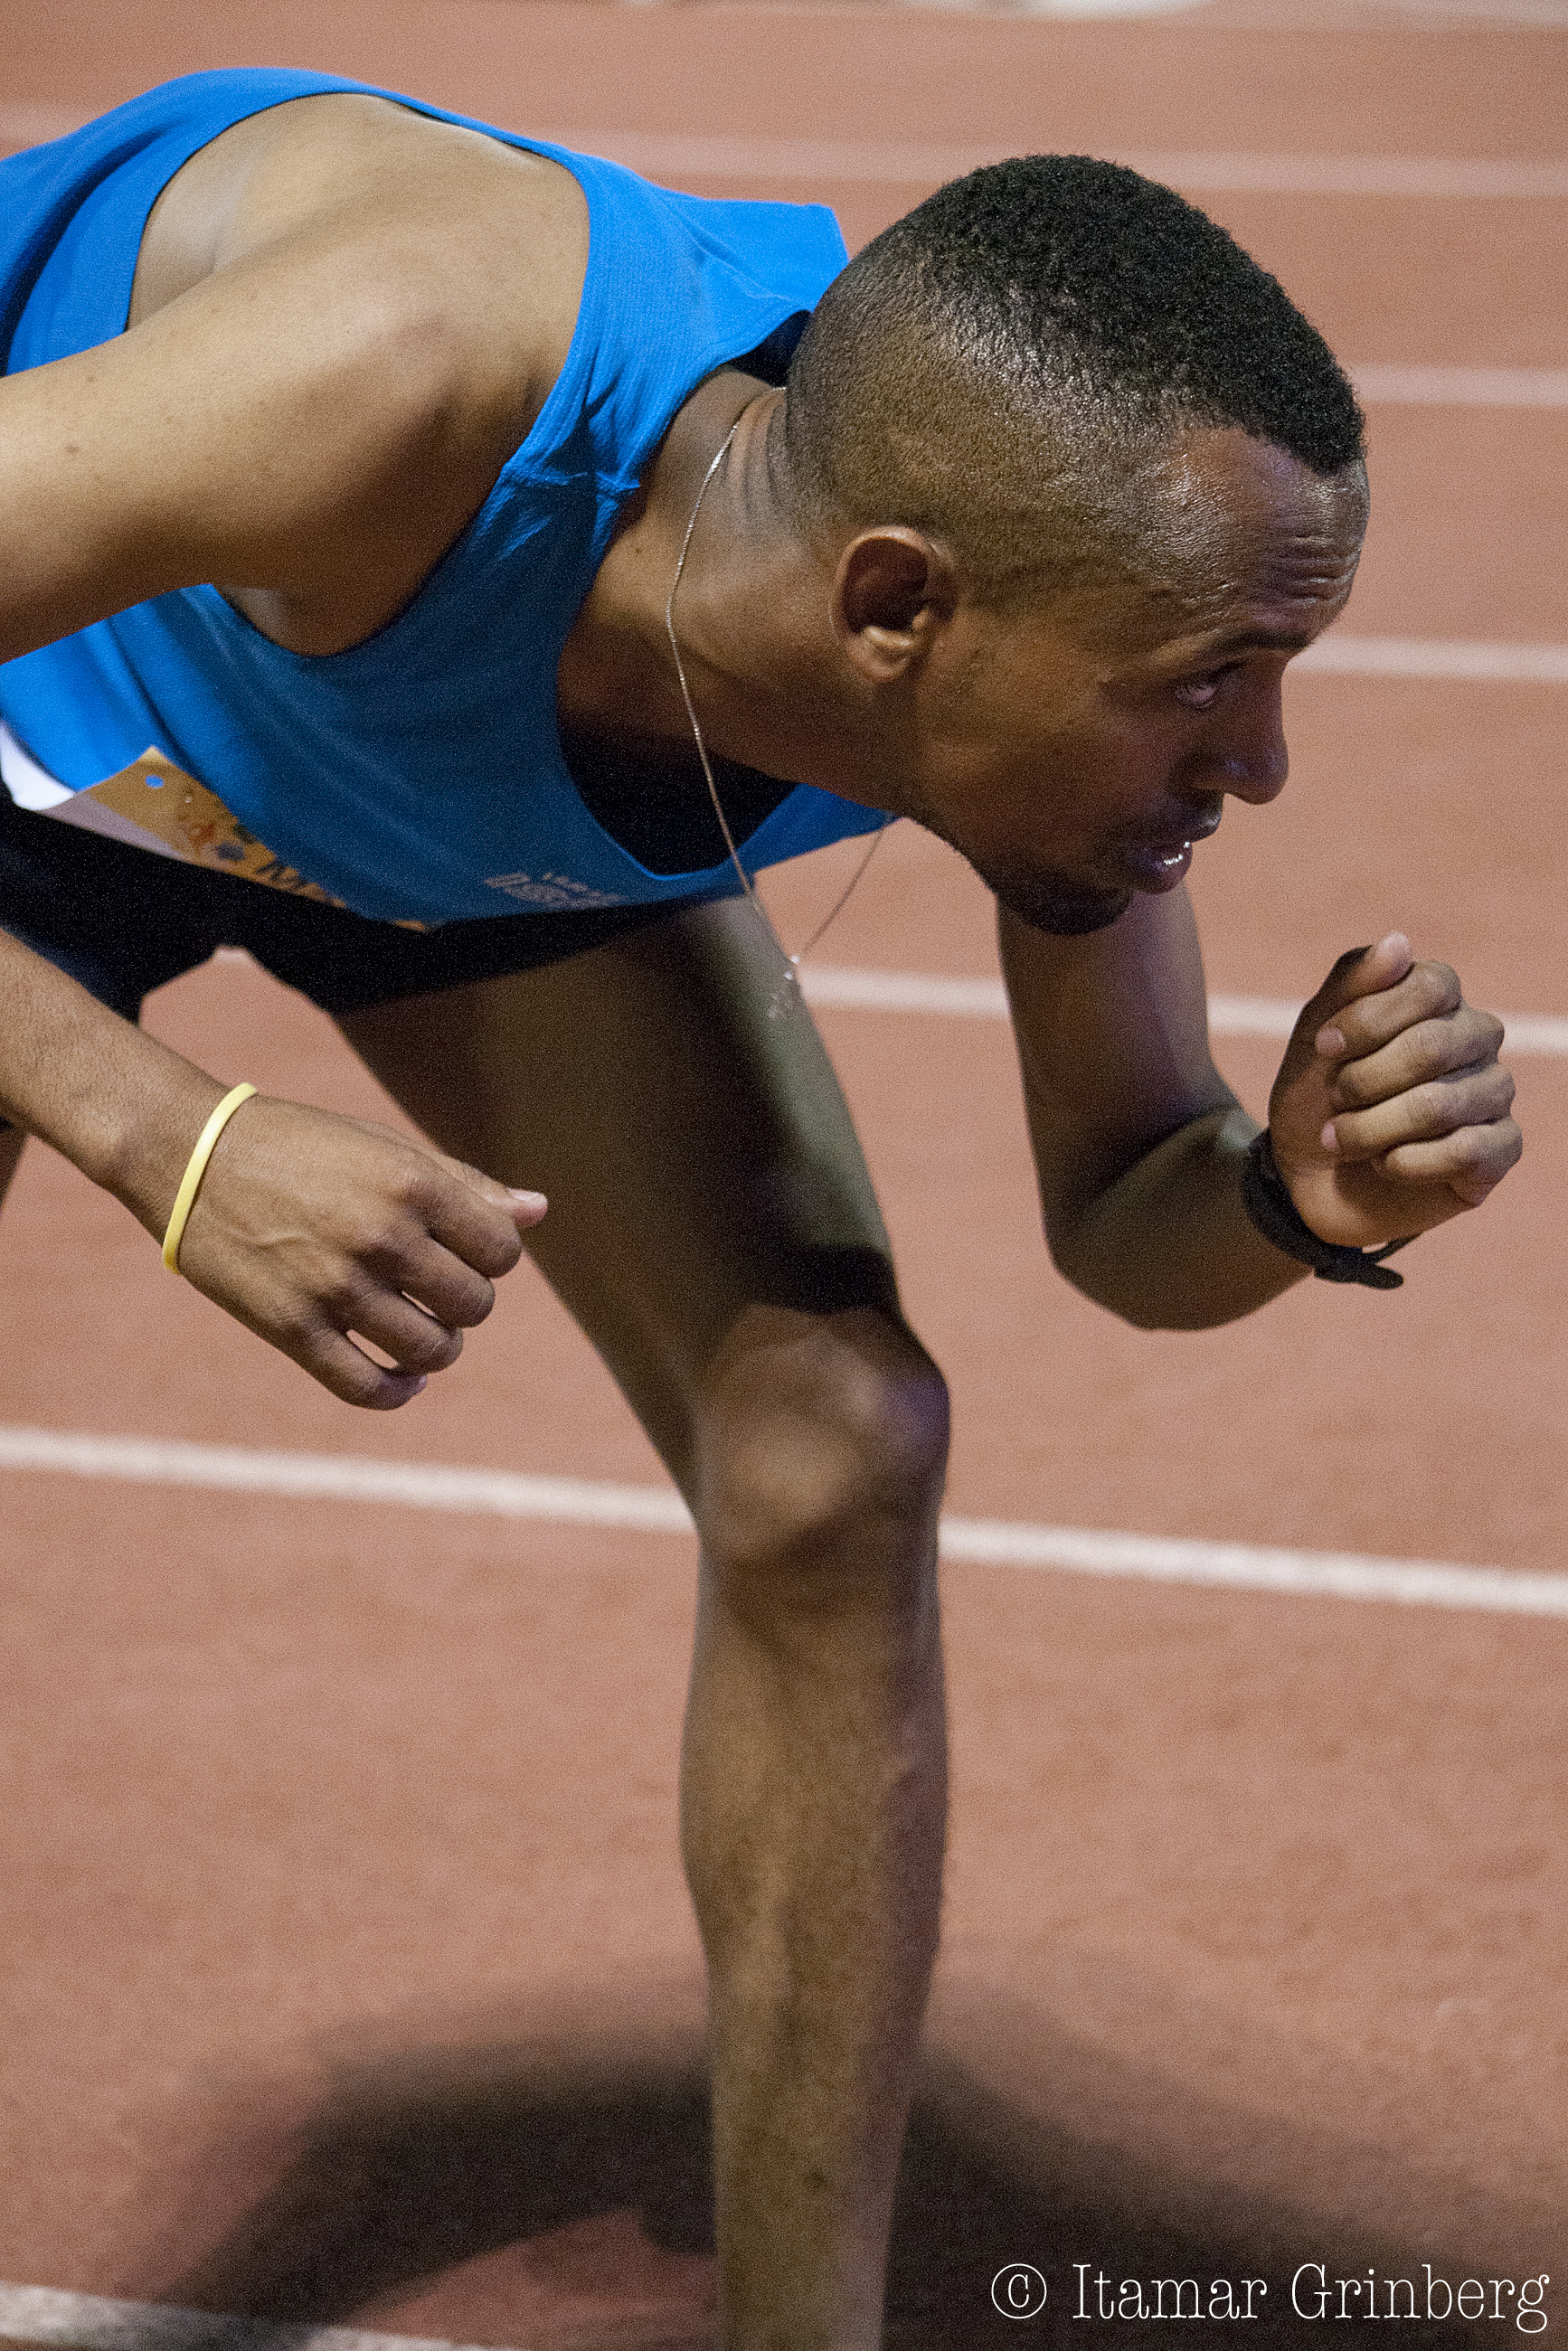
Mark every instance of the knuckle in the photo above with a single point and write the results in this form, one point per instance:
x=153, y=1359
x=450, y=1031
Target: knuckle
x=1447, y=1105
x=1494, y=1147
x=1354, y=1086
x=1486, y=1094
x=1438, y=984
x=378, y=1241
x=341, y=1296
x=305, y=1328
x=350, y=1377
x=423, y=1344
x=499, y=1253
x=1467, y=1040
x=479, y=1297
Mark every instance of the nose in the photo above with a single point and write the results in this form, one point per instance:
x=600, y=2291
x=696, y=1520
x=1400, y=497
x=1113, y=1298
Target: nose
x=1244, y=754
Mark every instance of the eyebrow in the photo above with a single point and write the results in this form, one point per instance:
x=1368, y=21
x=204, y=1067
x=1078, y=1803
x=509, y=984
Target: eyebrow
x=1248, y=640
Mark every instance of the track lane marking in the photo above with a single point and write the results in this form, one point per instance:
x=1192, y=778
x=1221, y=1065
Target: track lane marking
x=1471, y=661
x=851, y=988
x=730, y=154
x=91, y=2322
x=656, y=1510
x=1399, y=384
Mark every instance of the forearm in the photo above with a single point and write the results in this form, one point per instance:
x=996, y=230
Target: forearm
x=123, y=1108
x=1168, y=1245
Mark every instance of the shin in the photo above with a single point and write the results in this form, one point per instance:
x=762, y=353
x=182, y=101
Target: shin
x=814, y=1791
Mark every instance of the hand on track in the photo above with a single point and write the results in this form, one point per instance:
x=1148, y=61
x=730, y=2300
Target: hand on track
x=1390, y=1112
x=314, y=1231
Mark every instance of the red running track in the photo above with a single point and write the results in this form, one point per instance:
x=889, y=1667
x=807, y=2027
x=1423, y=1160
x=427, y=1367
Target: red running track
x=349, y=1976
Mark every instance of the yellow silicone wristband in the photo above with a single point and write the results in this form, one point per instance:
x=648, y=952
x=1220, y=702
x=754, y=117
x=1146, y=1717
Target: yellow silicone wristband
x=196, y=1168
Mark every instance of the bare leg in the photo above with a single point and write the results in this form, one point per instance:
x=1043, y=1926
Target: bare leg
x=713, y=1227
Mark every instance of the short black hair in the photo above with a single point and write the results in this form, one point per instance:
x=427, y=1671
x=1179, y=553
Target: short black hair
x=1064, y=285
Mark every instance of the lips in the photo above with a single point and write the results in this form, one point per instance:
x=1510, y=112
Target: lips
x=1156, y=864
x=1161, y=864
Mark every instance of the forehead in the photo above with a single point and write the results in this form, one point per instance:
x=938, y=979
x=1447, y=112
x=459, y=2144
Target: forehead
x=1201, y=534
x=1219, y=516
x=1203, y=484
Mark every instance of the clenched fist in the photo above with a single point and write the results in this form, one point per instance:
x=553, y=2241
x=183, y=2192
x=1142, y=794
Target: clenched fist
x=1391, y=1111
x=315, y=1230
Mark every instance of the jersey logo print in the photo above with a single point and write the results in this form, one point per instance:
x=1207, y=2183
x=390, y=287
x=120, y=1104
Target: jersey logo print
x=552, y=890
x=157, y=797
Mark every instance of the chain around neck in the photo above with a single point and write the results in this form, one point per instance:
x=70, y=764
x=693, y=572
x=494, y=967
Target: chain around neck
x=787, y=994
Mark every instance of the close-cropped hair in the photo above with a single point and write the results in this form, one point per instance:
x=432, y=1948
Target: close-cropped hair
x=1029, y=327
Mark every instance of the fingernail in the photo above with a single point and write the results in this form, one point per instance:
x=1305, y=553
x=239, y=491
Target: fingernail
x=527, y=1199
x=1329, y=1042
x=1328, y=1138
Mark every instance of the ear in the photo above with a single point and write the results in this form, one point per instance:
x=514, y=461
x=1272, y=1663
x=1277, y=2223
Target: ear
x=893, y=590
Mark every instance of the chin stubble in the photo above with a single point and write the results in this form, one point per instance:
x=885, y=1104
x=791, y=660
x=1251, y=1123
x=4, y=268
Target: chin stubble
x=1051, y=903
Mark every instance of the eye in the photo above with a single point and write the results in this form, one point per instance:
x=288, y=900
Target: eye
x=1200, y=692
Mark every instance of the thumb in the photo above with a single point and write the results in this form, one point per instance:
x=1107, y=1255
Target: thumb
x=1362, y=971
x=524, y=1207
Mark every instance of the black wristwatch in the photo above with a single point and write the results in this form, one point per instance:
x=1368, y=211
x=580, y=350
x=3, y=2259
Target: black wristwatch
x=1268, y=1203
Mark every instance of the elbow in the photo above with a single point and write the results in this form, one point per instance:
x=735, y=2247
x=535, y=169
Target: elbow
x=1144, y=1288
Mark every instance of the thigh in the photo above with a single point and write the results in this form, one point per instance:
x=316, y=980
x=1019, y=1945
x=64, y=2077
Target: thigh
x=705, y=1180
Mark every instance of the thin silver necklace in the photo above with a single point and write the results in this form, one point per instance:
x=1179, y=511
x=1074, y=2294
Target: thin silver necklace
x=787, y=994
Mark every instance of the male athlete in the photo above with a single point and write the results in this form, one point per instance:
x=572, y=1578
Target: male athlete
x=348, y=456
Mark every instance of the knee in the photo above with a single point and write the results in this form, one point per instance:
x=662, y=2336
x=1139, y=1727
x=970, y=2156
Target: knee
x=822, y=1460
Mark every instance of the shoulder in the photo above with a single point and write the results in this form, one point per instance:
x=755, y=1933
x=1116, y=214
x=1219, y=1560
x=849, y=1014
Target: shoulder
x=356, y=315
x=369, y=310
x=431, y=242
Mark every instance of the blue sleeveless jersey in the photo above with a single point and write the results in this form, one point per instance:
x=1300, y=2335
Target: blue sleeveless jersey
x=418, y=776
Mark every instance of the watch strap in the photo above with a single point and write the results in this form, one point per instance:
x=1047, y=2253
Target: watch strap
x=1268, y=1202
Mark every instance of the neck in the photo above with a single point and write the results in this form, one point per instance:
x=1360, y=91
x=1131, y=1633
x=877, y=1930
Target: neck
x=752, y=613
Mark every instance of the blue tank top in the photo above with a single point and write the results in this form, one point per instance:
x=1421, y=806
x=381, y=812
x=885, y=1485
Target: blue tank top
x=418, y=776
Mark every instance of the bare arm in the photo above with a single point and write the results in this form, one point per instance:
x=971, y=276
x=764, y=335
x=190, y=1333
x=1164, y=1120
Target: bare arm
x=308, y=1227
x=345, y=320
x=1390, y=1113
x=317, y=393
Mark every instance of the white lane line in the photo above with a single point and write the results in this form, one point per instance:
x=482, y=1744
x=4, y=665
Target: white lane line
x=1393, y=383
x=1474, y=661
x=904, y=991
x=655, y=1509
x=346, y=1478
x=729, y=154
x=844, y=985
x=27, y=122
x=90, y=2322
x=740, y=154
x=1251, y=1567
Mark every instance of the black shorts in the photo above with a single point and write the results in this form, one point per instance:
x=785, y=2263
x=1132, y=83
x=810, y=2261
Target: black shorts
x=122, y=921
